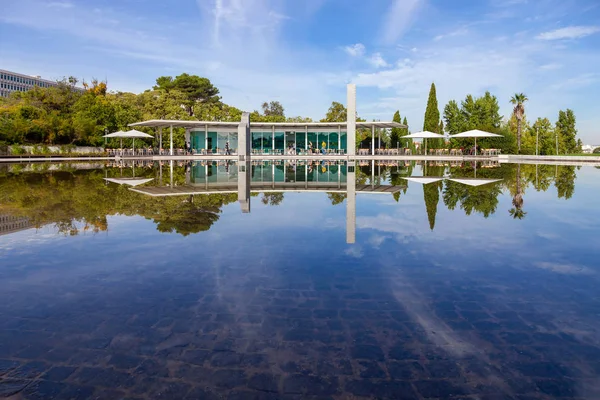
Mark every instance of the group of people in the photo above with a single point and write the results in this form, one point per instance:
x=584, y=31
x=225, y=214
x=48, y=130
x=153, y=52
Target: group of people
x=188, y=148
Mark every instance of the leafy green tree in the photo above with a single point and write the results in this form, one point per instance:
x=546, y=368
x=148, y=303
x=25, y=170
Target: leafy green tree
x=273, y=108
x=396, y=132
x=518, y=100
x=195, y=89
x=566, y=131
x=432, y=117
x=543, y=132
x=335, y=113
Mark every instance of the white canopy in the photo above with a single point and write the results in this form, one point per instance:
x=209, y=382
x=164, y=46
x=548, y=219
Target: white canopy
x=475, y=182
x=128, y=181
x=115, y=134
x=129, y=134
x=474, y=133
x=424, y=179
x=423, y=135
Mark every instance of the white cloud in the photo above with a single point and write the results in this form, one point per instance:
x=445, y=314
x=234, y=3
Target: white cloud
x=60, y=4
x=355, y=50
x=377, y=61
x=399, y=18
x=458, y=32
x=571, y=32
x=551, y=67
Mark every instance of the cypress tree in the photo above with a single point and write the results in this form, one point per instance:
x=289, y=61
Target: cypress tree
x=396, y=132
x=407, y=142
x=432, y=117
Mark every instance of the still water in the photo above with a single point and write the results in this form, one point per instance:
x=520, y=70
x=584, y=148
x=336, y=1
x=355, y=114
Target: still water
x=295, y=280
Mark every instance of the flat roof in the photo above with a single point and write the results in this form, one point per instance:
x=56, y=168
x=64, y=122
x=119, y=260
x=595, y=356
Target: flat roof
x=292, y=126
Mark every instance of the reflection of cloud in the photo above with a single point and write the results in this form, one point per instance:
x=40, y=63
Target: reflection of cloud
x=567, y=269
x=354, y=251
x=376, y=240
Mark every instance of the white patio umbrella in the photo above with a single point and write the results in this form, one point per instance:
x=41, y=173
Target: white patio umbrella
x=128, y=134
x=423, y=135
x=474, y=133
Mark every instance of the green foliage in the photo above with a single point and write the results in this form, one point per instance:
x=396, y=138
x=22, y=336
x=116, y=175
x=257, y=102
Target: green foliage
x=478, y=113
x=597, y=150
x=518, y=100
x=335, y=113
x=432, y=118
x=195, y=89
x=396, y=132
x=273, y=108
x=543, y=132
x=565, y=128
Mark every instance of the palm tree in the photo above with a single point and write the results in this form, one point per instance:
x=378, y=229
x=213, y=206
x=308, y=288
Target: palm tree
x=517, y=211
x=519, y=100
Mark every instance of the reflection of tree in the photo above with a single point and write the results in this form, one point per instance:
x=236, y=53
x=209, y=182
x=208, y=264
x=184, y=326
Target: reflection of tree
x=336, y=198
x=272, y=199
x=432, y=197
x=69, y=199
x=565, y=181
x=396, y=179
x=517, y=201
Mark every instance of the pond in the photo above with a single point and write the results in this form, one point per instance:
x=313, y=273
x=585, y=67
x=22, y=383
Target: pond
x=299, y=280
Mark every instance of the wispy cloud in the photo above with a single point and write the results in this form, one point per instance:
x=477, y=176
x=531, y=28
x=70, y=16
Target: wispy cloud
x=551, y=67
x=377, y=60
x=355, y=50
x=60, y=4
x=570, y=32
x=399, y=18
x=458, y=32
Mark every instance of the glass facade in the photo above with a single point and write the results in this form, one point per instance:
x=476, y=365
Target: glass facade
x=268, y=171
x=264, y=142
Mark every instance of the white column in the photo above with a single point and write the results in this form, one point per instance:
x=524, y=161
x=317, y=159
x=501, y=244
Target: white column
x=373, y=140
x=171, y=138
x=159, y=139
x=206, y=138
x=351, y=118
x=306, y=137
x=339, y=138
x=273, y=140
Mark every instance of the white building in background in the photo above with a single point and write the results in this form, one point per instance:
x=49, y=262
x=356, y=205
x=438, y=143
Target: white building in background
x=14, y=82
x=589, y=148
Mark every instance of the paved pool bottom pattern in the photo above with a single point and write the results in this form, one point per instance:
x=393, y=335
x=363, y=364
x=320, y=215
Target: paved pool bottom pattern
x=239, y=332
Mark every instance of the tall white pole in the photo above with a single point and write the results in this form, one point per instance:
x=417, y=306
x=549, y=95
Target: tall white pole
x=373, y=140
x=171, y=138
x=537, y=139
x=556, y=142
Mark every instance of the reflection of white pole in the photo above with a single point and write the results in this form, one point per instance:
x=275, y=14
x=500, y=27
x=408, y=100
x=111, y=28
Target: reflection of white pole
x=350, y=203
x=475, y=149
x=171, y=167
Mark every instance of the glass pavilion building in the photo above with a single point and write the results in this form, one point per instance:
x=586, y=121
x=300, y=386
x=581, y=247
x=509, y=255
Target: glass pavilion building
x=266, y=138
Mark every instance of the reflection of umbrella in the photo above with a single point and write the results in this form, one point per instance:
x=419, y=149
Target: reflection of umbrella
x=474, y=133
x=425, y=179
x=128, y=181
x=423, y=135
x=475, y=182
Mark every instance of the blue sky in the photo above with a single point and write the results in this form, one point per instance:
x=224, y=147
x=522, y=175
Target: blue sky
x=302, y=53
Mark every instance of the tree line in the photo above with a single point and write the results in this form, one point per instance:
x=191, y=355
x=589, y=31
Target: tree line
x=62, y=115
x=518, y=136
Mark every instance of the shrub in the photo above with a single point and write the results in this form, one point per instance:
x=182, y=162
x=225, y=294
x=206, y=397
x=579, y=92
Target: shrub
x=597, y=150
x=17, y=150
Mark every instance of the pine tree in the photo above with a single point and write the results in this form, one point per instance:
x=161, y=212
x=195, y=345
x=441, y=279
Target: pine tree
x=432, y=117
x=396, y=132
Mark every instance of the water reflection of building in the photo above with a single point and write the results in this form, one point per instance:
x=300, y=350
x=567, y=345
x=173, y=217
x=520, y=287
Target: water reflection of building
x=12, y=224
x=268, y=177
